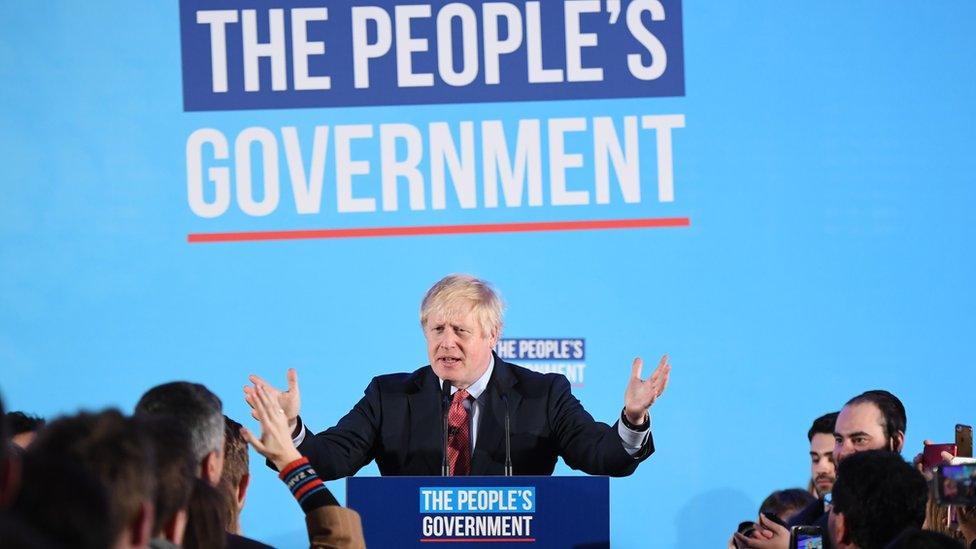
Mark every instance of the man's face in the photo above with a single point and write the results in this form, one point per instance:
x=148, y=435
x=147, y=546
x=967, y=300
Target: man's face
x=860, y=427
x=822, y=469
x=457, y=348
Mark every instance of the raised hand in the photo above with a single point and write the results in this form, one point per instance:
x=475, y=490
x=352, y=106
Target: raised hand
x=769, y=535
x=275, y=442
x=640, y=394
x=290, y=401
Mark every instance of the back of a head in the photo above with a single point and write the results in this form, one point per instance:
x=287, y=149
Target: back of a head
x=880, y=496
x=206, y=520
x=114, y=450
x=7, y=482
x=23, y=427
x=892, y=409
x=786, y=503
x=193, y=406
x=823, y=425
x=62, y=499
x=924, y=539
x=175, y=467
x=19, y=422
x=236, y=463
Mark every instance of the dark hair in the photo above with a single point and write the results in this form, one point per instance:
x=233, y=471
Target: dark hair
x=195, y=407
x=823, y=425
x=923, y=539
x=880, y=496
x=175, y=467
x=786, y=503
x=235, y=468
x=60, y=498
x=19, y=422
x=4, y=439
x=892, y=410
x=112, y=448
x=206, y=520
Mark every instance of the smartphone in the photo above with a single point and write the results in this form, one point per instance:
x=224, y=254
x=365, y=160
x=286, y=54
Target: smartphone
x=932, y=454
x=956, y=484
x=964, y=440
x=806, y=537
x=746, y=528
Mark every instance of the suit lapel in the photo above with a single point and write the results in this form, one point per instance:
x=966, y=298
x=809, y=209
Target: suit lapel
x=426, y=421
x=491, y=423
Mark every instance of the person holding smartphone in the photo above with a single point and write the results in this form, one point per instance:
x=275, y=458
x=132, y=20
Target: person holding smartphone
x=873, y=420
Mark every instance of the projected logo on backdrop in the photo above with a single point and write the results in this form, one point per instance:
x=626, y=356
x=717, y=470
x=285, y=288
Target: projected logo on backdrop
x=551, y=355
x=306, y=54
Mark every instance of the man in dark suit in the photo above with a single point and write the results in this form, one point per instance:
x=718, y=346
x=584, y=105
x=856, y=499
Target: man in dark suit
x=399, y=420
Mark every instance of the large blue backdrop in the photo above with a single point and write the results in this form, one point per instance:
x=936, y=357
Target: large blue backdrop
x=777, y=194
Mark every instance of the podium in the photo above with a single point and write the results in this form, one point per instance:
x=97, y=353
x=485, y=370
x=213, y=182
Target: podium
x=482, y=511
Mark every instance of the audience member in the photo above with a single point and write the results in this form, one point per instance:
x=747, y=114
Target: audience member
x=66, y=502
x=822, y=466
x=923, y=539
x=207, y=517
x=329, y=525
x=967, y=524
x=13, y=531
x=785, y=504
x=236, y=477
x=873, y=420
x=876, y=498
x=175, y=473
x=23, y=428
x=117, y=452
x=9, y=464
x=233, y=485
x=201, y=414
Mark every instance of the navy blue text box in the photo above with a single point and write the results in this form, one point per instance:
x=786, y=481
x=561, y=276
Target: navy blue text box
x=549, y=349
x=566, y=512
x=620, y=48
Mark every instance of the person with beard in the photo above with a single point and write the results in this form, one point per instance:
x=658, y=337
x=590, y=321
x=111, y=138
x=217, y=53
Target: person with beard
x=873, y=420
x=823, y=470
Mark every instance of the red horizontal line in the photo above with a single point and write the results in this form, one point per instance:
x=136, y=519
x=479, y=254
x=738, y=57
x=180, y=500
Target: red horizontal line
x=367, y=232
x=476, y=540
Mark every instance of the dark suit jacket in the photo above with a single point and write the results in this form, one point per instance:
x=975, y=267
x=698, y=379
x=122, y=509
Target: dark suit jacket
x=399, y=424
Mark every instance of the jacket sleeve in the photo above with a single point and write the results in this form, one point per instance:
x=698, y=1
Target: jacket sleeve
x=344, y=449
x=334, y=527
x=585, y=444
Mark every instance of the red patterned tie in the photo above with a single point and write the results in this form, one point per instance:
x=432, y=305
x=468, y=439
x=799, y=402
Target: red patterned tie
x=459, y=436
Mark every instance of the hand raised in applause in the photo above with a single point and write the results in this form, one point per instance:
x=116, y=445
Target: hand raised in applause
x=641, y=394
x=275, y=442
x=290, y=401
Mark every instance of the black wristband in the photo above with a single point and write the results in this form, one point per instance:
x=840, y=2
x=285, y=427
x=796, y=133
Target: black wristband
x=639, y=428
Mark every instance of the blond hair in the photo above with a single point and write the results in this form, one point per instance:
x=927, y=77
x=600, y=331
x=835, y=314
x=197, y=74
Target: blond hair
x=455, y=293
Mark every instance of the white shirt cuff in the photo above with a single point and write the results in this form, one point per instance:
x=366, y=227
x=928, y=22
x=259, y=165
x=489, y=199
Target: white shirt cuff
x=633, y=440
x=301, y=434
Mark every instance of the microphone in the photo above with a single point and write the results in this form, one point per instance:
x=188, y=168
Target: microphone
x=508, y=434
x=445, y=407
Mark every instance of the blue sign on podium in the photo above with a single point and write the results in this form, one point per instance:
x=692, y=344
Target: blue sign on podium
x=418, y=511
